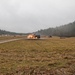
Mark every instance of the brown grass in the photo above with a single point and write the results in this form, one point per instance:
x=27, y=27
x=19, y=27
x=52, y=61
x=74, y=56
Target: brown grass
x=2, y=38
x=53, y=56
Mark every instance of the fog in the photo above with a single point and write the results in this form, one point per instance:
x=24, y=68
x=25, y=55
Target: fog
x=32, y=15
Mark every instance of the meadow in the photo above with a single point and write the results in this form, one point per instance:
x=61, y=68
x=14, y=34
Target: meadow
x=2, y=38
x=52, y=56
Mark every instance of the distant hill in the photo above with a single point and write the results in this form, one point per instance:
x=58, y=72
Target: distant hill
x=3, y=32
x=67, y=30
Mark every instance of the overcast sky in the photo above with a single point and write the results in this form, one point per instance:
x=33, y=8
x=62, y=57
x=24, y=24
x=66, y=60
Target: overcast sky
x=32, y=15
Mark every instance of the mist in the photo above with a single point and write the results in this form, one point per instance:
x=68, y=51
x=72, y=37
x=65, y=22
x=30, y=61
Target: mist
x=31, y=15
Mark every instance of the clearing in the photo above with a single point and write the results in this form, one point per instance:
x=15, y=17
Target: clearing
x=52, y=56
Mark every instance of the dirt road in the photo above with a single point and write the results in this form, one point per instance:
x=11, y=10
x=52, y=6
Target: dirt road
x=5, y=41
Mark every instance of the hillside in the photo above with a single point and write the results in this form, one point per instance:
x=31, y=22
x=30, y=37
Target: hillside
x=3, y=32
x=67, y=30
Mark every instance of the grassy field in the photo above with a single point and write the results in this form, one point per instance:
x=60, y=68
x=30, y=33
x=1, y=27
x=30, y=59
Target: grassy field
x=2, y=38
x=52, y=56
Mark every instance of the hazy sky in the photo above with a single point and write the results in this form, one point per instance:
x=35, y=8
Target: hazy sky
x=32, y=15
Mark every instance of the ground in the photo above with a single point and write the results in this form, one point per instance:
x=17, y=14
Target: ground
x=52, y=56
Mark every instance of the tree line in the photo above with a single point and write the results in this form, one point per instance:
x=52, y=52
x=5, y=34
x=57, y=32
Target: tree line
x=3, y=32
x=67, y=30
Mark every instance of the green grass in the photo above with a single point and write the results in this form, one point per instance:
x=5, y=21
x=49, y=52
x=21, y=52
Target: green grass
x=33, y=57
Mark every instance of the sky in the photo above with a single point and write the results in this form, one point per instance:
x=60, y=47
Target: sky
x=25, y=16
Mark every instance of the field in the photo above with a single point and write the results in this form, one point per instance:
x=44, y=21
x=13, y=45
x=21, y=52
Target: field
x=2, y=38
x=52, y=56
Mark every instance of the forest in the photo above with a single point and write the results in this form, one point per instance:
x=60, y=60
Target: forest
x=67, y=30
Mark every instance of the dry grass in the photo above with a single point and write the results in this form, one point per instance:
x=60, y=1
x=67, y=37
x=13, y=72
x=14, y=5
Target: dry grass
x=2, y=38
x=38, y=57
